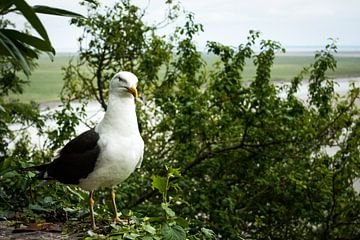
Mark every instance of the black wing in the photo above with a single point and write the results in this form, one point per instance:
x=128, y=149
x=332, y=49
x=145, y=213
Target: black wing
x=76, y=159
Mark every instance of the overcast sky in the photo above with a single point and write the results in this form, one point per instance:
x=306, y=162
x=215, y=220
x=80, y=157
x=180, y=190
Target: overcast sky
x=291, y=22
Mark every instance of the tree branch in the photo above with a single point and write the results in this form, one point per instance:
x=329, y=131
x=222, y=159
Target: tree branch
x=100, y=82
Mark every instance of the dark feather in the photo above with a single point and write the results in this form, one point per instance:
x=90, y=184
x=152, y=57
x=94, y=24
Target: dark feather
x=40, y=168
x=76, y=159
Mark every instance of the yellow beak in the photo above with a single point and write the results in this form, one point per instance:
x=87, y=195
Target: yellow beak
x=133, y=91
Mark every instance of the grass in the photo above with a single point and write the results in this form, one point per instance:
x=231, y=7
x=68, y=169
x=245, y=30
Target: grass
x=288, y=66
x=46, y=81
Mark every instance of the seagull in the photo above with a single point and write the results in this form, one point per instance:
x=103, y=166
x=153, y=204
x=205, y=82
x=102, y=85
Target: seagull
x=107, y=154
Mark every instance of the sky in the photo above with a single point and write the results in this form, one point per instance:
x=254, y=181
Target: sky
x=291, y=22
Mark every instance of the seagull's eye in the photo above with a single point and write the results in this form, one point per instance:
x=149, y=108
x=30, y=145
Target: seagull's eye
x=121, y=80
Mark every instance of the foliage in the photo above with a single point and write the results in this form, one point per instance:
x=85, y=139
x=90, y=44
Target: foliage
x=170, y=227
x=256, y=164
x=244, y=159
x=19, y=45
x=18, y=52
x=115, y=38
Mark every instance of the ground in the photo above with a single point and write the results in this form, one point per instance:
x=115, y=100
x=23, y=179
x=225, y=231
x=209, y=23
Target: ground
x=52, y=231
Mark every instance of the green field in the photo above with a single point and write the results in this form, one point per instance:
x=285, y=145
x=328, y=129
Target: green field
x=46, y=81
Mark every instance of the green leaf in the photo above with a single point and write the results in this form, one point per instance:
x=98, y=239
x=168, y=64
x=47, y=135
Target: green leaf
x=148, y=228
x=4, y=6
x=167, y=209
x=39, y=208
x=174, y=232
x=10, y=47
x=160, y=183
x=174, y=172
x=2, y=109
x=147, y=238
x=182, y=222
x=25, y=51
x=75, y=193
x=208, y=232
x=55, y=11
x=131, y=236
x=5, y=164
x=30, y=15
x=28, y=39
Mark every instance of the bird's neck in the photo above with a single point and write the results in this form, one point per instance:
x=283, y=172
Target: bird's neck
x=120, y=117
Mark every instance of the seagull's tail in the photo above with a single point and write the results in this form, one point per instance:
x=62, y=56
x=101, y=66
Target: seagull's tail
x=41, y=169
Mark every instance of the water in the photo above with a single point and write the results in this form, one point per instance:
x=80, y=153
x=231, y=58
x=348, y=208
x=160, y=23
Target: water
x=341, y=86
x=314, y=48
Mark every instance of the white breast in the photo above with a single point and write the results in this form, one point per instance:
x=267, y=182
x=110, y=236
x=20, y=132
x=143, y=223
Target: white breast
x=117, y=160
x=121, y=146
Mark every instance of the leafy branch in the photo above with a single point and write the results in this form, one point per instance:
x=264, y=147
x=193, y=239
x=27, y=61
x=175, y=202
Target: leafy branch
x=19, y=45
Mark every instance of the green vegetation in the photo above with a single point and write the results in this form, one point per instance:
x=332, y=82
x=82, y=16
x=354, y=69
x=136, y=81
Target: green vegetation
x=224, y=158
x=285, y=67
x=22, y=47
x=46, y=80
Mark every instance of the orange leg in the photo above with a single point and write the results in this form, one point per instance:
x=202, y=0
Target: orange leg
x=116, y=217
x=91, y=206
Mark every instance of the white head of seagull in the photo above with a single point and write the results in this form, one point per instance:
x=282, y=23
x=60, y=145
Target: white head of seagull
x=124, y=83
x=120, y=117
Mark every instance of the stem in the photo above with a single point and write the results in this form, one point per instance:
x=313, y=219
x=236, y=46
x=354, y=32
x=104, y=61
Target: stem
x=100, y=81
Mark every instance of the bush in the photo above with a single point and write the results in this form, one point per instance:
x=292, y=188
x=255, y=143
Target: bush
x=244, y=157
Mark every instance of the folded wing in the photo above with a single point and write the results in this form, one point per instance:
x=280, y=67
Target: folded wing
x=76, y=159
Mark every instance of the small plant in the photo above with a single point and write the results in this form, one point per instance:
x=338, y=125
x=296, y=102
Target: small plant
x=169, y=227
x=173, y=228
